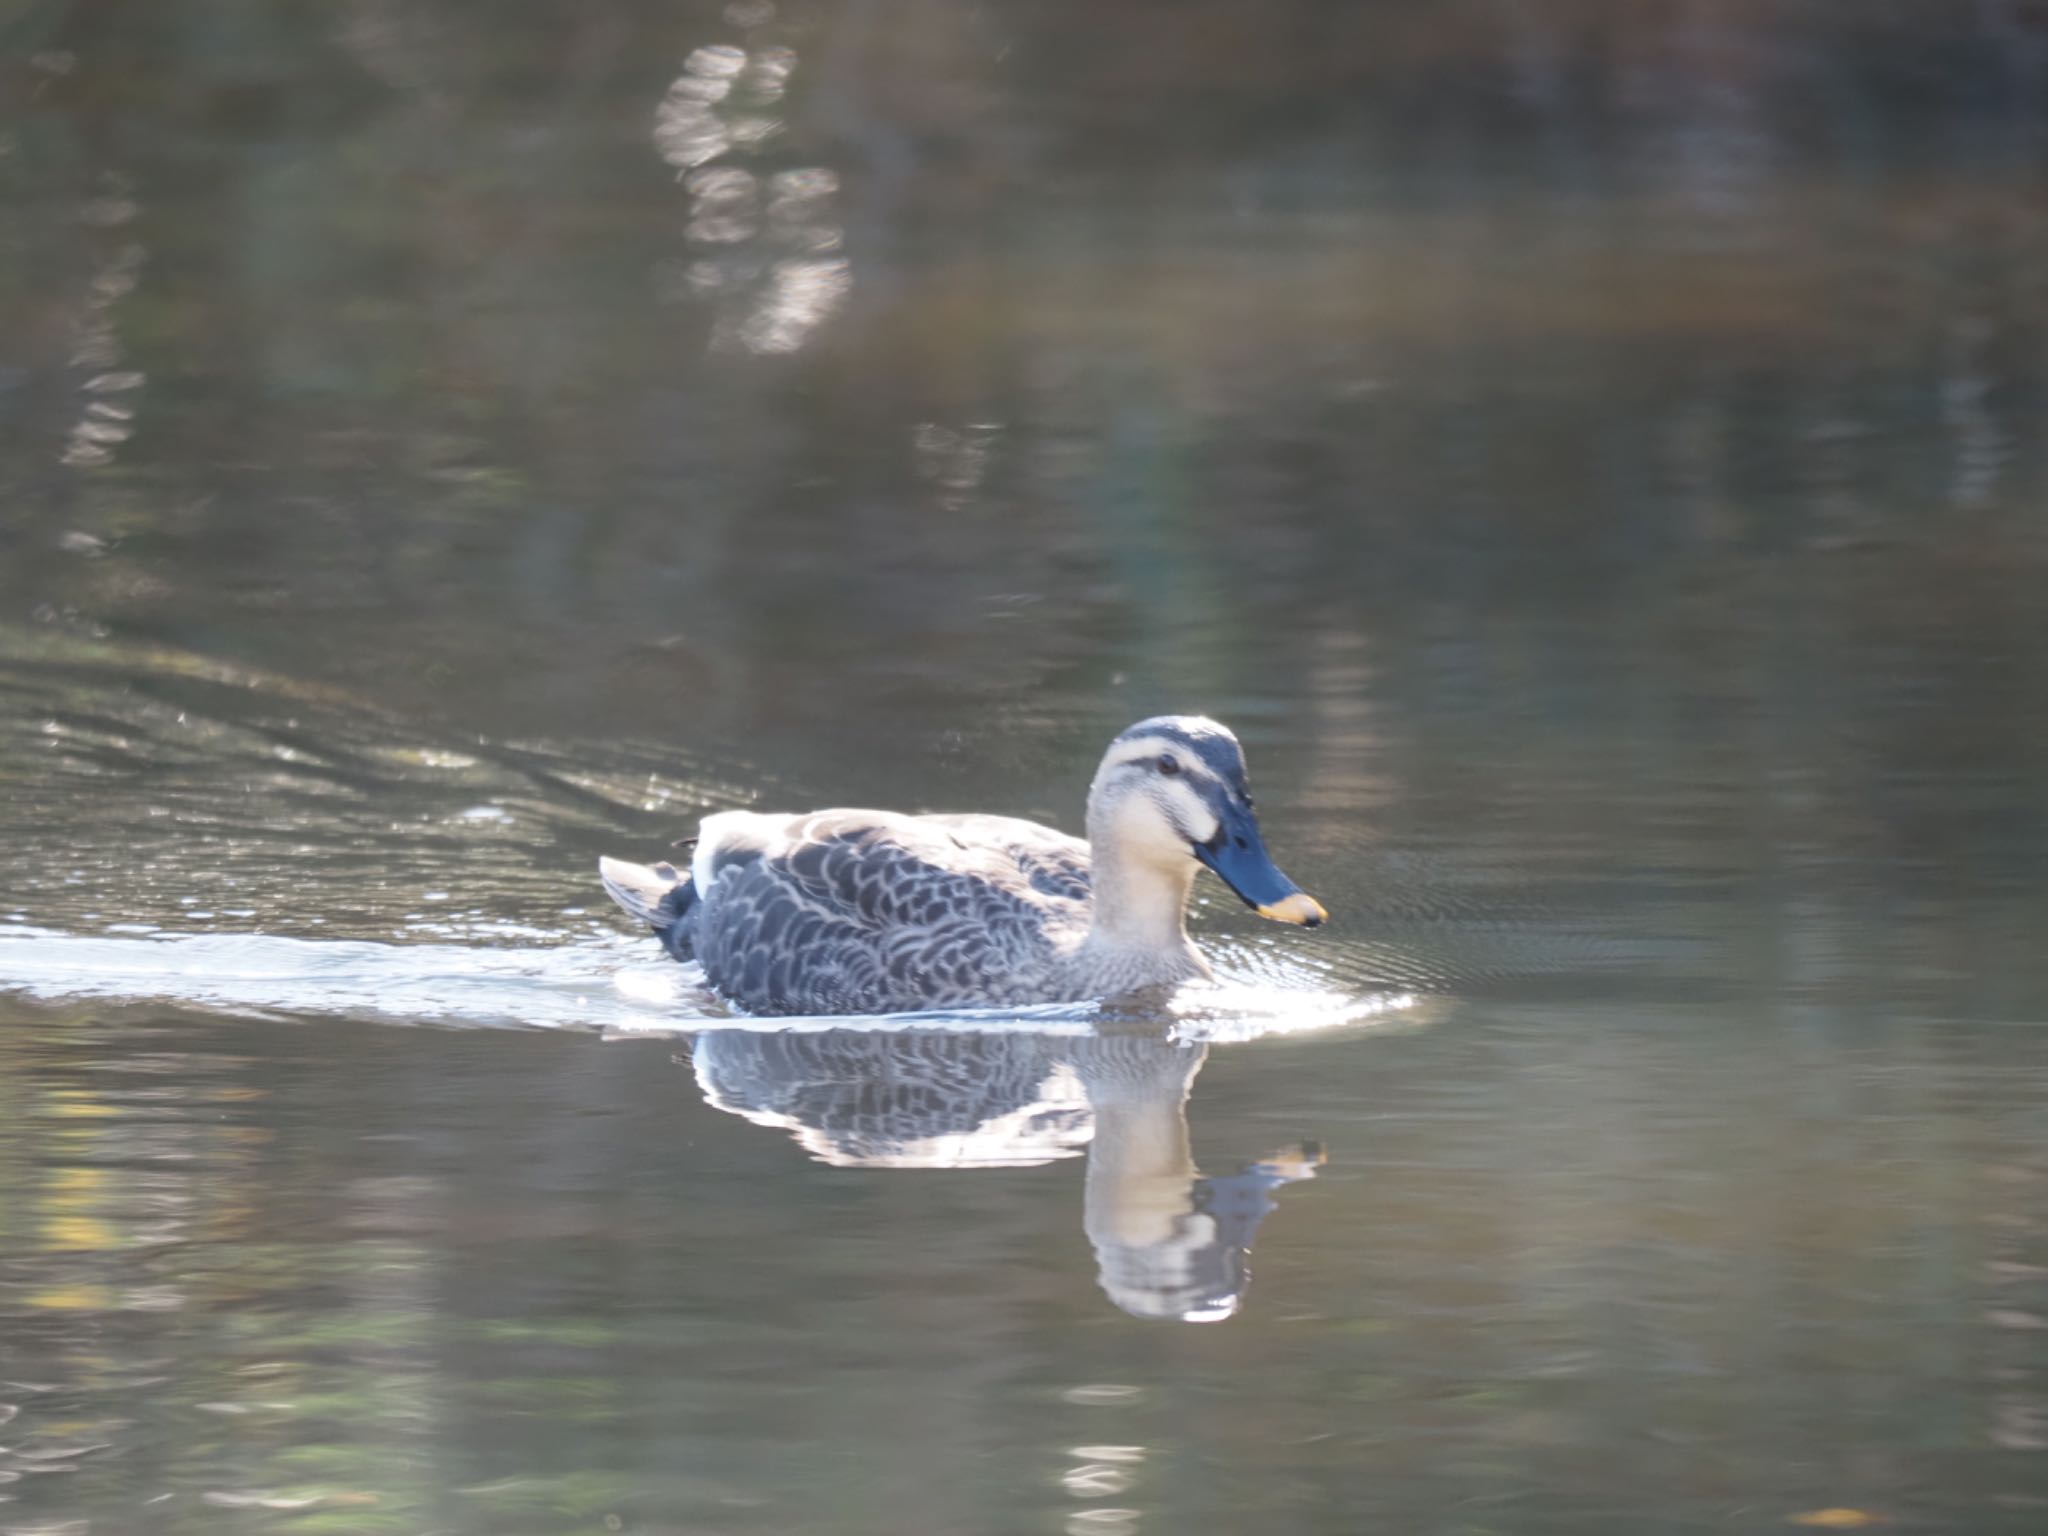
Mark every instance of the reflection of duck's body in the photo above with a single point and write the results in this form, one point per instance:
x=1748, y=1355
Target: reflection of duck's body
x=874, y=912
x=1168, y=1242
x=901, y=1099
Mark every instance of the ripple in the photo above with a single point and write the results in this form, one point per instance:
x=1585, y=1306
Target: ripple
x=598, y=981
x=567, y=985
x=145, y=789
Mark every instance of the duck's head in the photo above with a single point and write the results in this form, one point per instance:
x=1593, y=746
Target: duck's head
x=1173, y=787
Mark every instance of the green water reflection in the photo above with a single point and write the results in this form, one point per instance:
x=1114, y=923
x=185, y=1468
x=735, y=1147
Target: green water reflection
x=285, y=1277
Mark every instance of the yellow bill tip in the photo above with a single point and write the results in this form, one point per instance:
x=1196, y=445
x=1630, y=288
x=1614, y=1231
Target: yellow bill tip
x=1299, y=908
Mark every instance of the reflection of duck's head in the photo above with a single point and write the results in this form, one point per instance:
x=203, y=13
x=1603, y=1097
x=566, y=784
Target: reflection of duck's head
x=1168, y=1242
x=1197, y=1271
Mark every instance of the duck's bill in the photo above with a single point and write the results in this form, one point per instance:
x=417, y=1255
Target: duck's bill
x=1298, y=907
x=1240, y=860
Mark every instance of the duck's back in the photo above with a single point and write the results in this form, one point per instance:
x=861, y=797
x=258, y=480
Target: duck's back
x=854, y=911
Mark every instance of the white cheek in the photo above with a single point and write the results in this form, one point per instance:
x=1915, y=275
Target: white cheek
x=1145, y=827
x=1199, y=820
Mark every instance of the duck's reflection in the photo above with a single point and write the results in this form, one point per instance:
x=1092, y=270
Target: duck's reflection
x=1169, y=1242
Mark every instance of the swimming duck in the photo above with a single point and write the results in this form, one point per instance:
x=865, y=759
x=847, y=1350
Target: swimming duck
x=853, y=911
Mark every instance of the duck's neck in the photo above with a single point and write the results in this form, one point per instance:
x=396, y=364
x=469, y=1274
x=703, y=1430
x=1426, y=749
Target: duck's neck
x=1139, y=907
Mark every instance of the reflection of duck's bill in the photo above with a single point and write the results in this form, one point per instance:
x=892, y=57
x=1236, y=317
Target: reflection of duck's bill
x=1238, y=856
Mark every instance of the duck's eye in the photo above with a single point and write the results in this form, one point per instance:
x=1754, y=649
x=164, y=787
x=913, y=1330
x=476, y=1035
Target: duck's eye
x=1168, y=763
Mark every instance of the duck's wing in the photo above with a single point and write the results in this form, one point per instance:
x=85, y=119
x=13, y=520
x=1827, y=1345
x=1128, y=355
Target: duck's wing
x=1054, y=863
x=872, y=912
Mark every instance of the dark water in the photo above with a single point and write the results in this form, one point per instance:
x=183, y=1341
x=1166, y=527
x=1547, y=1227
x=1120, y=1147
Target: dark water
x=1593, y=454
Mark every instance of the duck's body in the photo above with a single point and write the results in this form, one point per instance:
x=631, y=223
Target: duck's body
x=855, y=911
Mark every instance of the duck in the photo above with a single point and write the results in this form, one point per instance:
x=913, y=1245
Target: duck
x=876, y=912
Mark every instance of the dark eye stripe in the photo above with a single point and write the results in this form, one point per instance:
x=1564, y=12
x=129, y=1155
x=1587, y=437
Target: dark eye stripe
x=1168, y=763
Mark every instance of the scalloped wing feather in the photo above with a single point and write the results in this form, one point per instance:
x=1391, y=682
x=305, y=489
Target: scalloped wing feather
x=873, y=912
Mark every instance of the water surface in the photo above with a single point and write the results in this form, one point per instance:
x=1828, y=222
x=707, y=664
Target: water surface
x=1591, y=454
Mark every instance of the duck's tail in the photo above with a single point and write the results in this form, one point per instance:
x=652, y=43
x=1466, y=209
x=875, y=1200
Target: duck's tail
x=657, y=895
